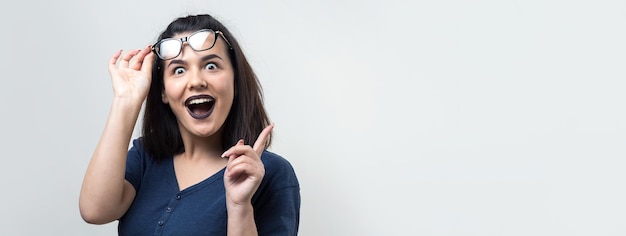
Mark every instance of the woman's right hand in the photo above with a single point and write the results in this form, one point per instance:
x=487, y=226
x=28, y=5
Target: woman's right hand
x=131, y=78
x=105, y=194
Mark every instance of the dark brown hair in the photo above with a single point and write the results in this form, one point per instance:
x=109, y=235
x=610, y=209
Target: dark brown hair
x=247, y=116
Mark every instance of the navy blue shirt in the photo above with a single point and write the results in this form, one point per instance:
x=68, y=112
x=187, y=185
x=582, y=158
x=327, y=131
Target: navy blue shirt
x=159, y=208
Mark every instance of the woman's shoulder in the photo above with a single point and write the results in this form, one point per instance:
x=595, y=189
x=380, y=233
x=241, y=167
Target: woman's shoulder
x=137, y=144
x=277, y=167
x=137, y=152
x=271, y=159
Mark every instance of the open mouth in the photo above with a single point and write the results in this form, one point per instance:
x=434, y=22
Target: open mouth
x=200, y=106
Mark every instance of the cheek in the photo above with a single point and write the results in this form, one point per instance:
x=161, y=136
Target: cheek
x=231, y=91
x=228, y=93
x=226, y=86
x=169, y=92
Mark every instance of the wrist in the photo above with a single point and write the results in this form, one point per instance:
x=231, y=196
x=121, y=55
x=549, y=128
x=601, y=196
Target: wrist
x=126, y=103
x=239, y=211
x=241, y=219
x=238, y=208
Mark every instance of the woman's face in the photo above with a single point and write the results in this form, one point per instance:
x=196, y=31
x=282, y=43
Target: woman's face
x=199, y=88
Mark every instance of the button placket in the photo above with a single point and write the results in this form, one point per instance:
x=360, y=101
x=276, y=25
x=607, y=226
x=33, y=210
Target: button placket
x=168, y=211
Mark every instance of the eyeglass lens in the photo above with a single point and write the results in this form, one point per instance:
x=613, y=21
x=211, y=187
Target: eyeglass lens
x=198, y=41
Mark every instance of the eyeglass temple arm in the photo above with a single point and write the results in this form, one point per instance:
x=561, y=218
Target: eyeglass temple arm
x=224, y=37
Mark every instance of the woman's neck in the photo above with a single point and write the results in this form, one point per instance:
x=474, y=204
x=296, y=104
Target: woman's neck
x=202, y=147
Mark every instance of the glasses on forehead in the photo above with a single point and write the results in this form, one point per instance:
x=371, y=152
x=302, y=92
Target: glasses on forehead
x=200, y=40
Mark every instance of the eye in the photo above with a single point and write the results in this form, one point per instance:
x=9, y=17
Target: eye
x=210, y=66
x=179, y=70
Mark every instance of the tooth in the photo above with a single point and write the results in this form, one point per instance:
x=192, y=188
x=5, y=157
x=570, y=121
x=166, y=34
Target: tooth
x=199, y=100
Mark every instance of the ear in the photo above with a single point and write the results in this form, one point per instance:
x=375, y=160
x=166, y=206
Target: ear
x=164, y=98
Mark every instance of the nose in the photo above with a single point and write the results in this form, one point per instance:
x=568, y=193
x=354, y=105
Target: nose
x=196, y=80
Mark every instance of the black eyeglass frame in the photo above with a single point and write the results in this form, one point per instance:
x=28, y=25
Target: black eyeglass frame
x=184, y=39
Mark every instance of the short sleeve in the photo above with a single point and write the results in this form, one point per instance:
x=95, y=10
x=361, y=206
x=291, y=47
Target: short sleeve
x=277, y=202
x=135, y=164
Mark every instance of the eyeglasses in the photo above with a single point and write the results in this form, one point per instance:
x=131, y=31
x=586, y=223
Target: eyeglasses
x=200, y=40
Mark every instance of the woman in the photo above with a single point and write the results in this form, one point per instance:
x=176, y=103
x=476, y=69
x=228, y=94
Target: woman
x=200, y=167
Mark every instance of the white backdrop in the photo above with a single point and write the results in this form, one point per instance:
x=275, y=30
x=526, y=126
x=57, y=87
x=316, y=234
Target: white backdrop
x=424, y=118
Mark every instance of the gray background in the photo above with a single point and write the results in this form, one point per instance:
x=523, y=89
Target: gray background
x=424, y=118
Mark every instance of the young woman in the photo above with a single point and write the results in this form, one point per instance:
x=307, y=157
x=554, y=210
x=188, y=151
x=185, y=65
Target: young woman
x=200, y=167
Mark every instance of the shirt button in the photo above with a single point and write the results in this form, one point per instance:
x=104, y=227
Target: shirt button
x=161, y=223
x=177, y=197
x=168, y=209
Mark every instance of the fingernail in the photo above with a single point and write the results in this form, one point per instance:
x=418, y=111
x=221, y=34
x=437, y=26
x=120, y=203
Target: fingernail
x=224, y=154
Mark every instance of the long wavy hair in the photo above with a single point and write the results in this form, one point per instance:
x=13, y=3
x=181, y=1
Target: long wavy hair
x=247, y=117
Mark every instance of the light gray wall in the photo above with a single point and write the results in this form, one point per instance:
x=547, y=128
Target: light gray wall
x=423, y=118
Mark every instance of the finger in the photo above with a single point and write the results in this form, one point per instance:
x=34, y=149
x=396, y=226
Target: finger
x=240, y=168
x=126, y=58
x=147, y=67
x=232, y=154
x=113, y=60
x=139, y=58
x=237, y=149
x=259, y=144
x=244, y=165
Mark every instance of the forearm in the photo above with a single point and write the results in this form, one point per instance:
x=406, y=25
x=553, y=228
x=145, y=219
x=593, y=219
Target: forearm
x=241, y=220
x=102, y=193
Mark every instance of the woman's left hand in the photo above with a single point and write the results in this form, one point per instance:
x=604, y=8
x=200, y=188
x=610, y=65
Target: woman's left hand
x=245, y=170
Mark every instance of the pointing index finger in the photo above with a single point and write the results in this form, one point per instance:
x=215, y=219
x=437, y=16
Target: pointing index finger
x=259, y=144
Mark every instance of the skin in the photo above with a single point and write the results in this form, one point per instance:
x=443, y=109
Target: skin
x=105, y=195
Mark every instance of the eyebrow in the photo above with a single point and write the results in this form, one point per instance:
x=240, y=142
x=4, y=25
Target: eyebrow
x=204, y=58
x=210, y=56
